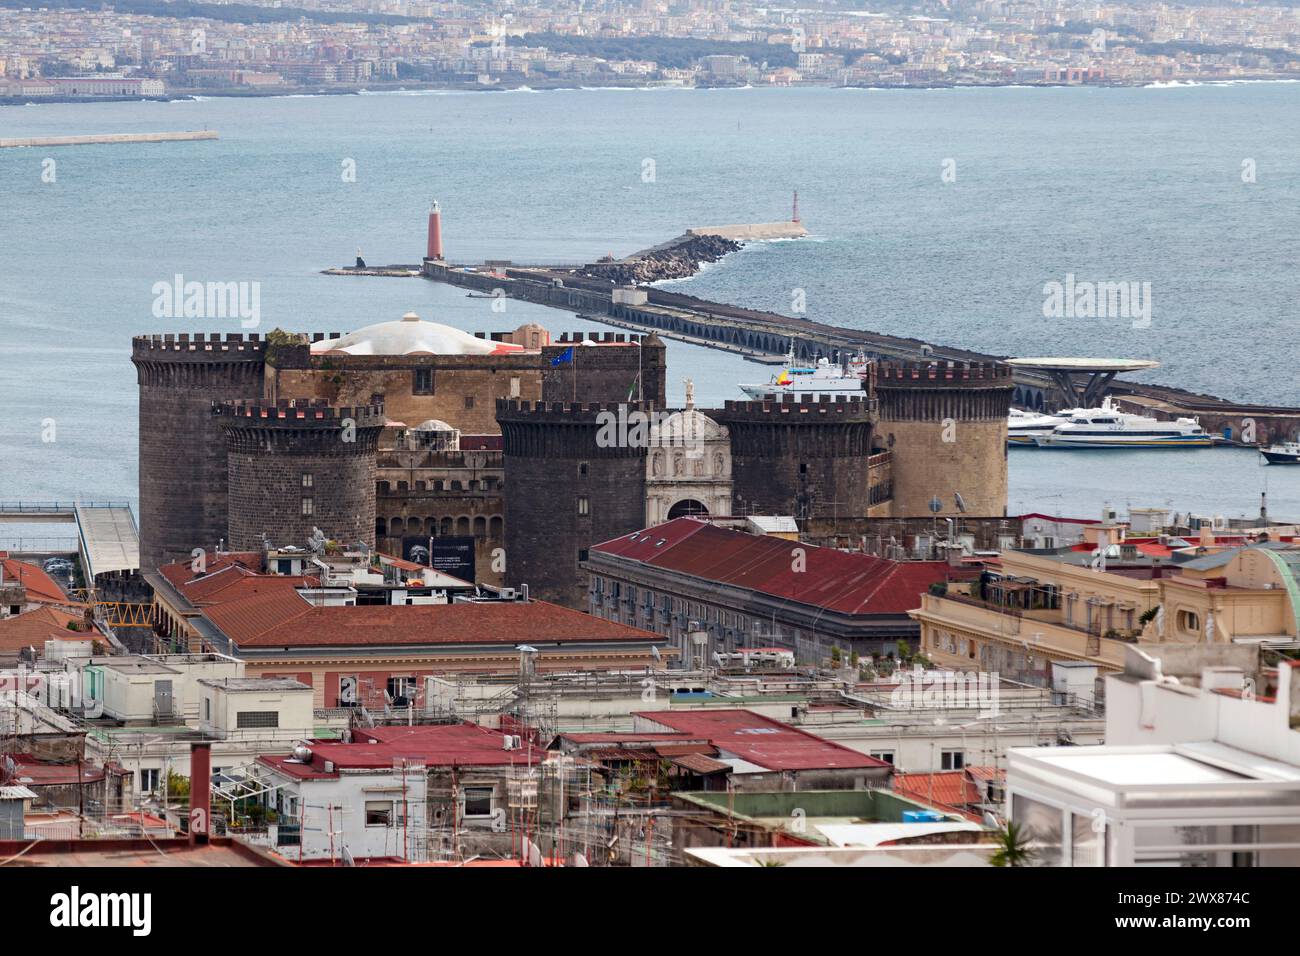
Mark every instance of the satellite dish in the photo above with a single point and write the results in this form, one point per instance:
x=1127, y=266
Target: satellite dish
x=654, y=652
x=579, y=860
x=961, y=502
x=936, y=505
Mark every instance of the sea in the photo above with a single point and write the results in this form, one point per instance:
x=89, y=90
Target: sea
x=939, y=214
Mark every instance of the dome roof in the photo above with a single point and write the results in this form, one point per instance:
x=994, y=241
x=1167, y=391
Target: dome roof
x=412, y=336
x=434, y=425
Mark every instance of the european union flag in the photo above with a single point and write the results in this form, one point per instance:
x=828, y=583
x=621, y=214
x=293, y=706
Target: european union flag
x=563, y=357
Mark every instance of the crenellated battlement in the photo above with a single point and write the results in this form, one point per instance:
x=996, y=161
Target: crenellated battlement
x=600, y=338
x=836, y=409
x=298, y=413
x=522, y=409
x=215, y=344
x=942, y=374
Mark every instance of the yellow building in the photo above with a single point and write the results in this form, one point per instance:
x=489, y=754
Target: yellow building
x=1034, y=608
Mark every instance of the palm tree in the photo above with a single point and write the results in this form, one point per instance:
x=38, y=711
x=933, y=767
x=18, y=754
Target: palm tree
x=1013, y=846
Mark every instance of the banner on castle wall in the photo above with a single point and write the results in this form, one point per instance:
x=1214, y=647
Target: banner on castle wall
x=450, y=555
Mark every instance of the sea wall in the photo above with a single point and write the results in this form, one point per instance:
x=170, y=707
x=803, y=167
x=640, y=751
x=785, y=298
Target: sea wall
x=96, y=138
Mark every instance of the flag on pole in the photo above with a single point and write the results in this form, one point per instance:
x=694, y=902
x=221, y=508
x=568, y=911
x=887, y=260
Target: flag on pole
x=564, y=357
x=636, y=384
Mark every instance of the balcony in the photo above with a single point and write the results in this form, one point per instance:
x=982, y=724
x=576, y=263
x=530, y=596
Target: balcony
x=973, y=618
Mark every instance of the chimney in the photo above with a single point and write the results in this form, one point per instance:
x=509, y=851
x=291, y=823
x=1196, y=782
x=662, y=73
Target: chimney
x=200, y=791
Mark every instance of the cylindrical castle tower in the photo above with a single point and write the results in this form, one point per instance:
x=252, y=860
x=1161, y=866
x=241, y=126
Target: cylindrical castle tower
x=808, y=459
x=946, y=424
x=182, y=450
x=296, y=466
x=574, y=477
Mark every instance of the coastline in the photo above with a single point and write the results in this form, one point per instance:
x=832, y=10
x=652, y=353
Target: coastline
x=543, y=86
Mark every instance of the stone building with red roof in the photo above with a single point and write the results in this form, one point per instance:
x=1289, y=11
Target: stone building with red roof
x=747, y=590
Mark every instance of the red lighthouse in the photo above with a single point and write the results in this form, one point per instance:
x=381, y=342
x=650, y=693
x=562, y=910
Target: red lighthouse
x=435, y=233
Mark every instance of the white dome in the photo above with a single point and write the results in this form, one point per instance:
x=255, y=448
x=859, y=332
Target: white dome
x=434, y=425
x=411, y=336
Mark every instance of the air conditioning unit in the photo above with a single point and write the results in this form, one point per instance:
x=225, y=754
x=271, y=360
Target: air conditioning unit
x=506, y=594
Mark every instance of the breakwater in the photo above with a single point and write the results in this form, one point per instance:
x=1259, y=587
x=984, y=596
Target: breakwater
x=769, y=335
x=99, y=138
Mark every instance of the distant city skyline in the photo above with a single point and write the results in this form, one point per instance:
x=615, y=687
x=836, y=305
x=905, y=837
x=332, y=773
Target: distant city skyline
x=259, y=46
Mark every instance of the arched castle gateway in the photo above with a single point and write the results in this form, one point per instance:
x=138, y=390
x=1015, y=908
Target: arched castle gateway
x=688, y=466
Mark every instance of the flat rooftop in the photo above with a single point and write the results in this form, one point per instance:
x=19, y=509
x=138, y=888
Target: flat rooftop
x=241, y=685
x=1067, y=364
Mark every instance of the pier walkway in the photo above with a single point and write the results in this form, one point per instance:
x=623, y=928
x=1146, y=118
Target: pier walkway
x=107, y=538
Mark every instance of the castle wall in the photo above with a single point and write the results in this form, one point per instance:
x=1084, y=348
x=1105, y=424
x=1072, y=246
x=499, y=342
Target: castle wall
x=182, y=452
x=612, y=370
x=946, y=425
x=293, y=468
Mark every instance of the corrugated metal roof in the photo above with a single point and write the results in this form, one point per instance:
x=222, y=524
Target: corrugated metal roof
x=849, y=583
x=762, y=741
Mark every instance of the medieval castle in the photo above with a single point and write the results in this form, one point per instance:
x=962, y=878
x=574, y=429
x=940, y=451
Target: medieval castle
x=491, y=455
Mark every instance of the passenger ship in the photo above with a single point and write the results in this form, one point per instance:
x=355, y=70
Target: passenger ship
x=1108, y=427
x=824, y=380
x=1023, y=427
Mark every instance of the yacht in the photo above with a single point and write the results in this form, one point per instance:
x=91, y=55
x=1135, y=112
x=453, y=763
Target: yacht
x=1023, y=427
x=1108, y=427
x=1282, y=453
x=823, y=380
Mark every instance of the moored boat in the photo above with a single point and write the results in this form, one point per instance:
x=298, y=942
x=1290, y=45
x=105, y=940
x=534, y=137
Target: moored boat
x=1282, y=453
x=1108, y=427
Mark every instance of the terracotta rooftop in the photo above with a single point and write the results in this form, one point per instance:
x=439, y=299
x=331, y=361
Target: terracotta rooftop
x=41, y=588
x=844, y=582
x=33, y=628
x=267, y=611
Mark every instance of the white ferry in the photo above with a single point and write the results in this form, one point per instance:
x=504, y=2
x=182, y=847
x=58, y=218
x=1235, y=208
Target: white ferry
x=1023, y=427
x=823, y=380
x=1108, y=427
x=1282, y=453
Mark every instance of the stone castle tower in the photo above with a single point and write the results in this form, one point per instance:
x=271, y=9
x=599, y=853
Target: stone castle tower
x=182, y=448
x=567, y=486
x=297, y=466
x=808, y=459
x=946, y=426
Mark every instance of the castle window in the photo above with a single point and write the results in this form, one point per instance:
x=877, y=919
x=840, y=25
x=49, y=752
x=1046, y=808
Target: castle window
x=307, y=479
x=582, y=469
x=469, y=401
x=308, y=508
x=422, y=383
x=584, y=505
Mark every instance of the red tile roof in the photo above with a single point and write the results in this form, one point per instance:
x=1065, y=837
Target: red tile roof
x=33, y=628
x=762, y=741
x=267, y=610
x=844, y=582
x=41, y=588
x=181, y=572
x=952, y=788
x=377, y=748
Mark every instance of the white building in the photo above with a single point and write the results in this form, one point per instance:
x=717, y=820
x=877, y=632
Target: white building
x=1201, y=767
